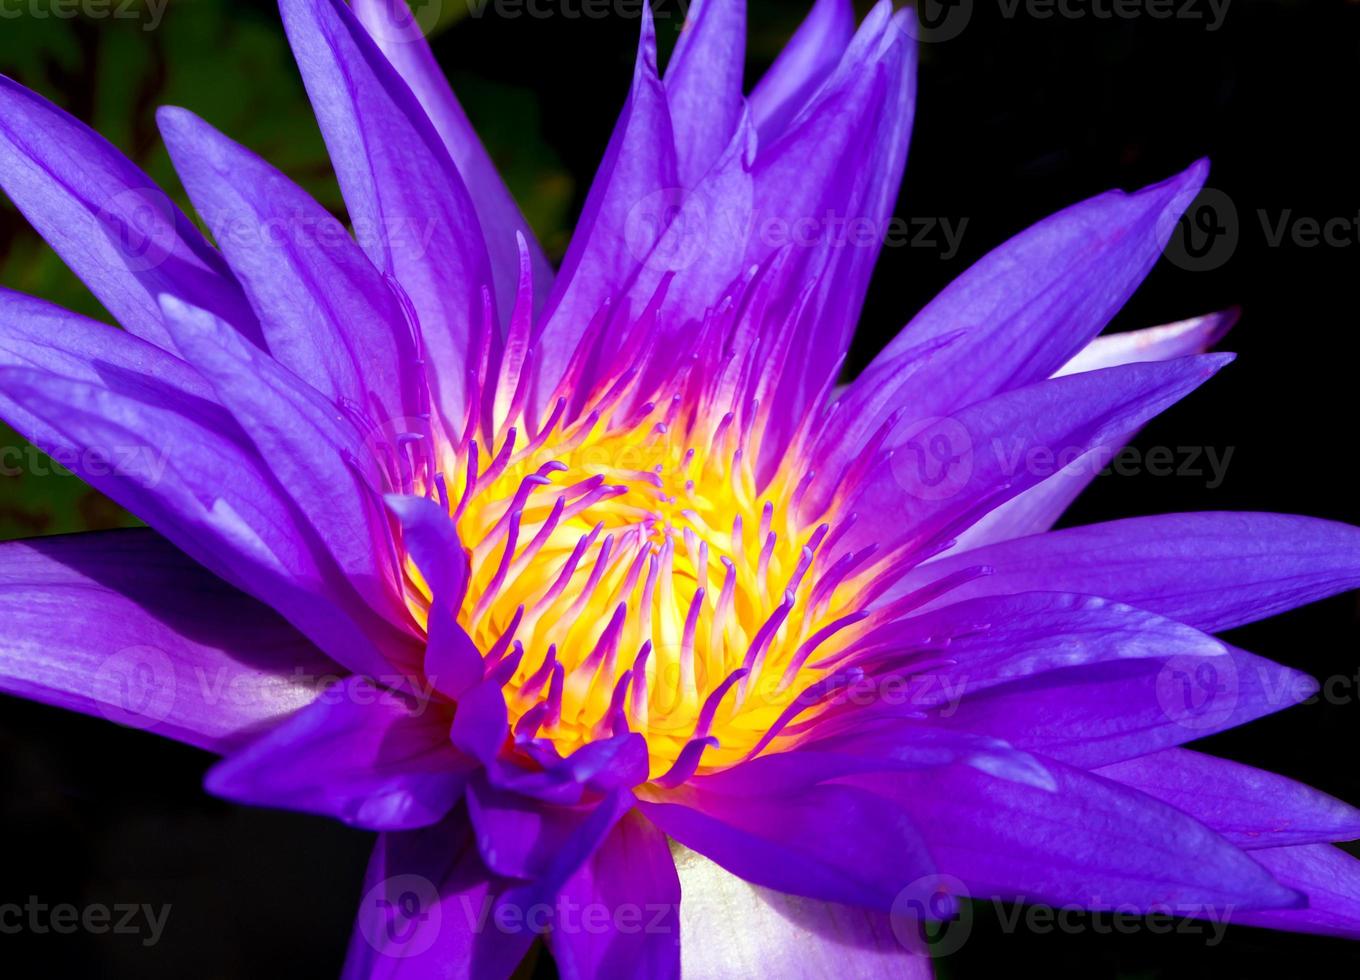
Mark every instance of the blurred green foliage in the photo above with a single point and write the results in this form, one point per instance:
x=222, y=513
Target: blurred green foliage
x=229, y=62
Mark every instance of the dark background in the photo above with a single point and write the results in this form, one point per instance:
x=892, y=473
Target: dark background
x=1017, y=116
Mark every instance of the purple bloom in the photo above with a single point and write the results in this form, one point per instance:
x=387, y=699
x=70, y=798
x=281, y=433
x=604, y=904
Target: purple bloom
x=589, y=586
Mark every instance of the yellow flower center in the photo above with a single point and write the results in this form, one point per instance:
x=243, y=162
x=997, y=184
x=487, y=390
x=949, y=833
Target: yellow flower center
x=635, y=571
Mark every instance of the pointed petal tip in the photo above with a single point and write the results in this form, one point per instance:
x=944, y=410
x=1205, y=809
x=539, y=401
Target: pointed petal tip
x=180, y=127
x=1180, y=189
x=1177, y=190
x=174, y=117
x=646, y=56
x=1217, y=325
x=172, y=306
x=410, y=509
x=1215, y=362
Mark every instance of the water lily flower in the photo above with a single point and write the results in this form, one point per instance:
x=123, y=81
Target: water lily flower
x=593, y=590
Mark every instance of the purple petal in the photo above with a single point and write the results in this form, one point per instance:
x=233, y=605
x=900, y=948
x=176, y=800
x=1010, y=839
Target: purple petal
x=517, y=836
x=868, y=747
x=703, y=84
x=1328, y=876
x=733, y=928
x=318, y=459
x=1088, y=842
x=1162, y=343
x=1039, y=507
x=832, y=843
x=629, y=202
x=452, y=661
x=996, y=639
x=117, y=230
x=1033, y=303
x=521, y=837
x=481, y=724
x=326, y=313
x=919, y=497
x=35, y=334
x=402, y=39
x=409, y=207
x=632, y=926
x=182, y=464
x=601, y=766
x=1213, y=571
x=838, y=167
x=365, y=755
x=236, y=523
x=429, y=910
x=1102, y=713
x=801, y=68
x=572, y=852
x=1029, y=306
x=1248, y=806
x=123, y=625
x=690, y=262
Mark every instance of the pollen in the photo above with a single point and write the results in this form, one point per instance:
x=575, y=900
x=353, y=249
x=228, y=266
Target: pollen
x=629, y=575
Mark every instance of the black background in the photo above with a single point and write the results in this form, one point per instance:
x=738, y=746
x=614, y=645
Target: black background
x=1017, y=116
